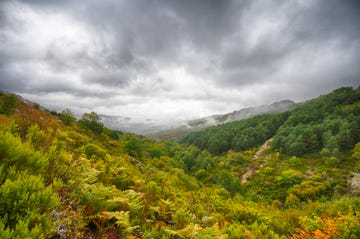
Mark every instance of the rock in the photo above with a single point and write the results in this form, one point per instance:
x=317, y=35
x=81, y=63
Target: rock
x=354, y=183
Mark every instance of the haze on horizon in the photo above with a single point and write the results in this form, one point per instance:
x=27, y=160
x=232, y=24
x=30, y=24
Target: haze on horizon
x=175, y=60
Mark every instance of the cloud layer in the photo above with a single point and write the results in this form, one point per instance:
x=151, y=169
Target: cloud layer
x=174, y=60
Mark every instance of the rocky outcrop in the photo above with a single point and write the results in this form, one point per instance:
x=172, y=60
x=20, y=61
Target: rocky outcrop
x=354, y=184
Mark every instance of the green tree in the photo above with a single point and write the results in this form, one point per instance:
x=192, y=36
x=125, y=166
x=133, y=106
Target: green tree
x=67, y=117
x=217, y=144
x=114, y=134
x=345, y=137
x=330, y=144
x=290, y=177
x=356, y=152
x=133, y=146
x=92, y=121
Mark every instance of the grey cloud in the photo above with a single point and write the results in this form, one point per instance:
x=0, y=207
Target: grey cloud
x=303, y=28
x=110, y=79
x=207, y=22
x=11, y=82
x=3, y=19
x=244, y=77
x=259, y=57
x=53, y=85
x=328, y=20
x=46, y=3
x=211, y=40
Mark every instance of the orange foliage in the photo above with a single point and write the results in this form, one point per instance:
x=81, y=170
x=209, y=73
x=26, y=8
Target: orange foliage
x=320, y=234
x=25, y=116
x=328, y=231
x=5, y=120
x=160, y=224
x=300, y=234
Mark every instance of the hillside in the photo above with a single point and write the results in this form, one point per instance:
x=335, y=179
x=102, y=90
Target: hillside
x=68, y=178
x=329, y=123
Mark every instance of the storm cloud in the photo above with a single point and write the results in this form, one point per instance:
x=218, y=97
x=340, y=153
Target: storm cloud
x=175, y=60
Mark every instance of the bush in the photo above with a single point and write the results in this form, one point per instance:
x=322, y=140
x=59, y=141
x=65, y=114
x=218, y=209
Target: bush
x=94, y=151
x=25, y=206
x=25, y=201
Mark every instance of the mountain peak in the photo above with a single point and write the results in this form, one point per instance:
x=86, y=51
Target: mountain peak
x=290, y=102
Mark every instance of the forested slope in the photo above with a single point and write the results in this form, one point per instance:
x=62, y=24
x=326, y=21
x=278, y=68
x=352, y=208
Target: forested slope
x=329, y=123
x=67, y=178
x=238, y=136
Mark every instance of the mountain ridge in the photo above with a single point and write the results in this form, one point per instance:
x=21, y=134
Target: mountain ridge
x=218, y=119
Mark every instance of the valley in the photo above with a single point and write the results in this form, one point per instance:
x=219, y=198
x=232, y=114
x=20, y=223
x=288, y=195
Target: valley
x=291, y=173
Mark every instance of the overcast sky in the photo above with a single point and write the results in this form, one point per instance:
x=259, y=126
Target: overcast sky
x=176, y=59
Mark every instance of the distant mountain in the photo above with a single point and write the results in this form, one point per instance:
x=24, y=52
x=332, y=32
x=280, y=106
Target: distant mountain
x=213, y=120
x=276, y=107
x=127, y=124
x=245, y=113
x=160, y=130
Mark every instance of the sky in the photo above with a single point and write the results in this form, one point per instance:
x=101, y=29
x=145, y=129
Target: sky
x=170, y=60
